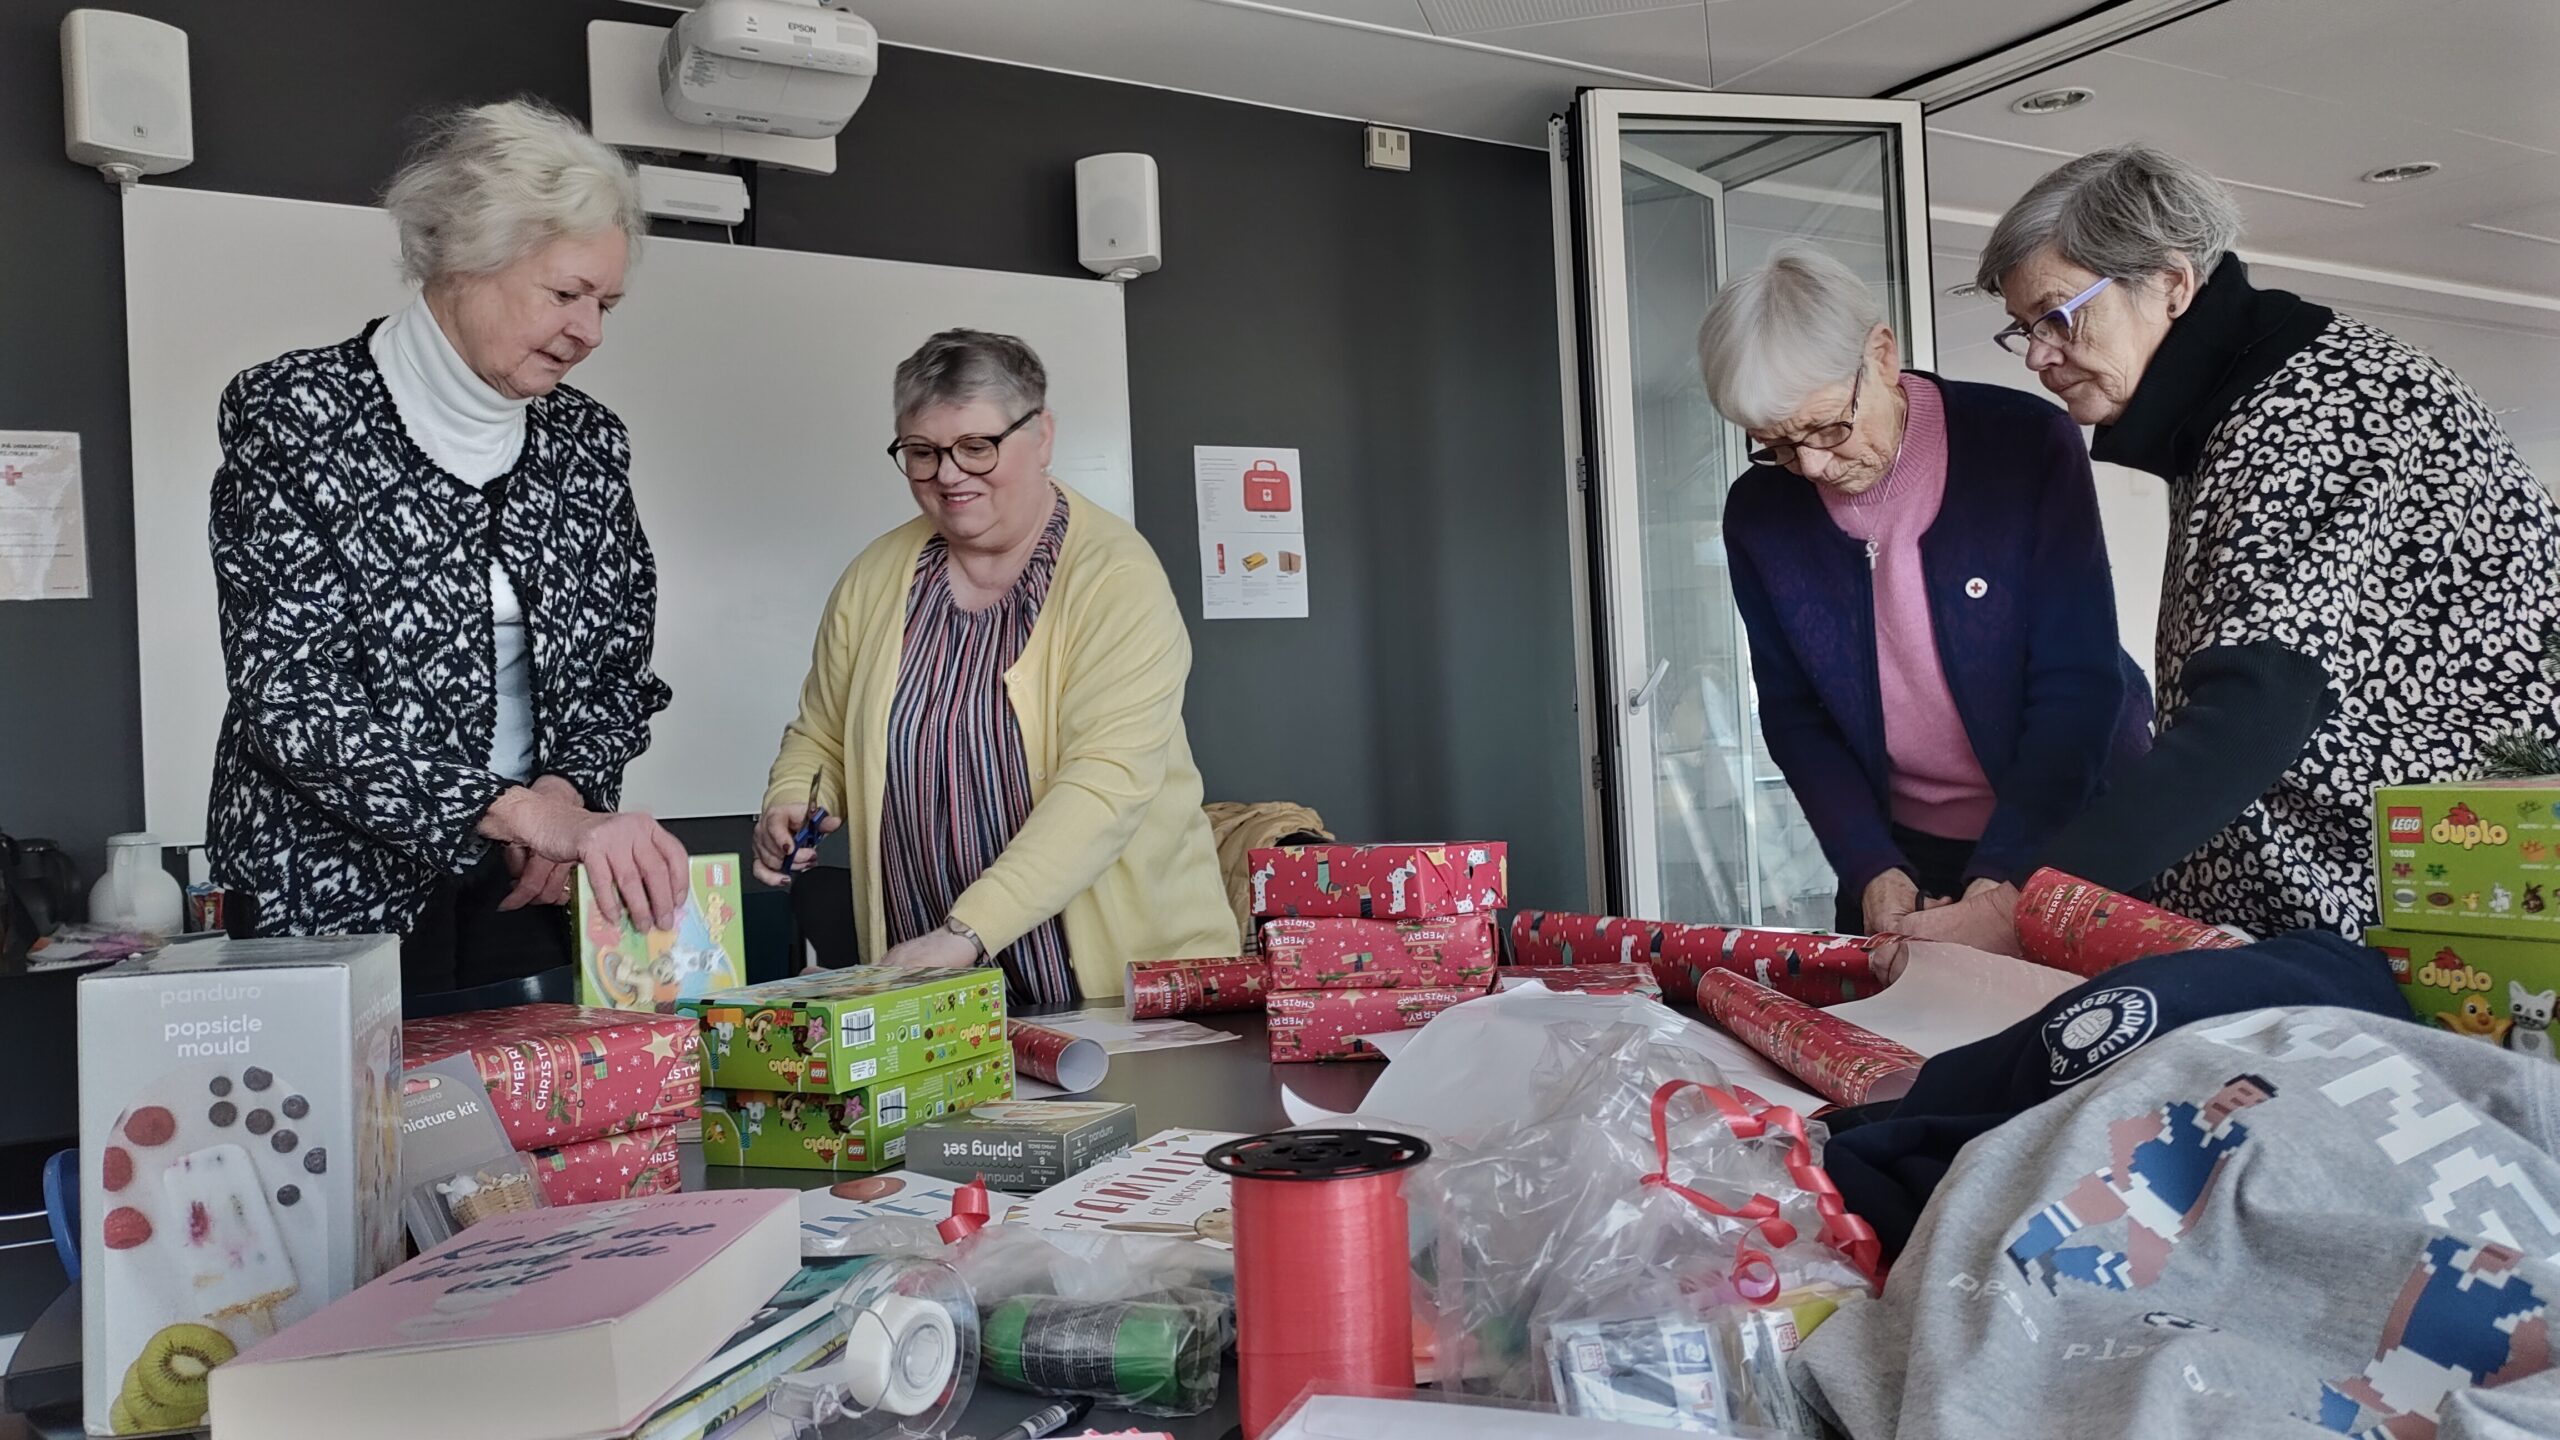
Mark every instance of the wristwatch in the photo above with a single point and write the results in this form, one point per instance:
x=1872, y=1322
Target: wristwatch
x=964, y=932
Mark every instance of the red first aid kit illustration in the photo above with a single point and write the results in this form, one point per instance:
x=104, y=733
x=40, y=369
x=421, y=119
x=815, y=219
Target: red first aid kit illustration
x=1266, y=486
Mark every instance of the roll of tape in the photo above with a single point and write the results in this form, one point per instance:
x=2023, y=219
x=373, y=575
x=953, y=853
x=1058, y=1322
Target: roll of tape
x=899, y=1356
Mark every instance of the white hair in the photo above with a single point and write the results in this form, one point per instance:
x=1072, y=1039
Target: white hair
x=2126, y=213
x=1782, y=332
x=491, y=183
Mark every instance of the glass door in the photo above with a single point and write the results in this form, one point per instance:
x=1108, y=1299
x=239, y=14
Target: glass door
x=1680, y=192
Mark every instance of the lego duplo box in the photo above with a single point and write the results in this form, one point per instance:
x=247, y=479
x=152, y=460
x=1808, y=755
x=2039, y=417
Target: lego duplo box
x=836, y=1030
x=2500, y=990
x=862, y=1129
x=2477, y=857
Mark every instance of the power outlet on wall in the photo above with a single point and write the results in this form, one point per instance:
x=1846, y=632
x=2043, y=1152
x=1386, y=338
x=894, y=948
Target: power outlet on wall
x=1388, y=149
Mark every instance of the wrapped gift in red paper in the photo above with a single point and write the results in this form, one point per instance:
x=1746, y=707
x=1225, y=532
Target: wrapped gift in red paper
x=1328, y=1024
x=1809, y=965
x=611, y=1167
x=1381, y=882
x=1454, y=952
x=2071, y=924
x=559, y=1074
x=1587, y=979
x=1846, y=1063
x=1186, y=987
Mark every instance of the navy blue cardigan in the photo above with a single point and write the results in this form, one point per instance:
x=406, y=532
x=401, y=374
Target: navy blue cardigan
x=2025, y=617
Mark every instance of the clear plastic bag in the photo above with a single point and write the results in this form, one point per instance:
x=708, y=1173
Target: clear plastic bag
x=1139, y=1323
x=1640, y=1189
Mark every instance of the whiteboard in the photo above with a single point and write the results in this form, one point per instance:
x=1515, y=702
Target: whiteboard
x=756, y=386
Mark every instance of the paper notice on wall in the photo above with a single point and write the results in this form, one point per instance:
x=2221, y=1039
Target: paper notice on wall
x=1253, y=533
x=44, y=543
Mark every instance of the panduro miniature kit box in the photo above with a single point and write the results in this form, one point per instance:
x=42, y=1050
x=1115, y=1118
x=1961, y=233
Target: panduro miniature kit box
x=624, y=968
x=861, y=1129
x=830, y=1032
x=239, y=1157
x=2499, y=990
x=2477, y=857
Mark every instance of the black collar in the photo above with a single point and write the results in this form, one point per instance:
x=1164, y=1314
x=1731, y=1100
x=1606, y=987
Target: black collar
x=2234, y=336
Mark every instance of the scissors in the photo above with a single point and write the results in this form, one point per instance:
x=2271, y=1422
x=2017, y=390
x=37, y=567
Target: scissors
x=807, y=836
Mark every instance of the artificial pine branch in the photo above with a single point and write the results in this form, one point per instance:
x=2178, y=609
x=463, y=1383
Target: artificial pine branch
x=2519, y=755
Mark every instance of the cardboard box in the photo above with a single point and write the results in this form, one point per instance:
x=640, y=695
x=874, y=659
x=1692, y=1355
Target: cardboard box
x=559, y=1074
x=623, y=968
x=2502, y=991
x=239, y=1157
x=612, y=1167
x=859, y=1130
x=1381, y=882
x=2478, y=857
x=1453, y=952
x=1025, y=1146
x=834, y=1031
x=1328, y=1024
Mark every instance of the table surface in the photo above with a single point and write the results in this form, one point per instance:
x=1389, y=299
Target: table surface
x=1226, y=1086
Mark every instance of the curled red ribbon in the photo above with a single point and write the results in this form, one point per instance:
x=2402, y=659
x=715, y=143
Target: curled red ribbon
x=1854, y=1239
x=968, y=1212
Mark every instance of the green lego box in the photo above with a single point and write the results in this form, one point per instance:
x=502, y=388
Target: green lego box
x=862, y=1129
x=2500, y=990
x=2479, y=857
x=833, y=1031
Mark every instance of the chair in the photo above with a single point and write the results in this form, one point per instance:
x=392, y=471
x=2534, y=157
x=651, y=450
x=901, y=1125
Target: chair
x=62, y=1208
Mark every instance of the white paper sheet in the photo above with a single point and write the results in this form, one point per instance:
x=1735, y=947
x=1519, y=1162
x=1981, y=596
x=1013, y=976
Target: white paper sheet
x=44, y=536
x=1951, y=995
x=1335, y=1417
x=1118, y=1035
x=1253, y=532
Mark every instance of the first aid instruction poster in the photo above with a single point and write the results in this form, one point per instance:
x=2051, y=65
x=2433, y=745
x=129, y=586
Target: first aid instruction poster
x=1253, y=532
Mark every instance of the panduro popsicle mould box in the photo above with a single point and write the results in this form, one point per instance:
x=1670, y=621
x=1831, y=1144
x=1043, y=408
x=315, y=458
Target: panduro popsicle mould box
x=830, y=1032
x=239, y=1133
x=861, y=1129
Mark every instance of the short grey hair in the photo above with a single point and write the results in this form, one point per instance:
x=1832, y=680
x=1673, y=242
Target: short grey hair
x=491, y=183
x=2126, y=213
x=1775, y=336
x=958, y=366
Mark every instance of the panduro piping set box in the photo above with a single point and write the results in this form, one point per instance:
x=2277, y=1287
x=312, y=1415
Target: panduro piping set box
x=831, y=1032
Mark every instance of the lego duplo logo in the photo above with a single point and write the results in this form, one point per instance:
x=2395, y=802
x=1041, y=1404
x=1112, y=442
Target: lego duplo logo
x=2408, y=825
x=2448, y=972
x=2399, y=958
x=2463, y=826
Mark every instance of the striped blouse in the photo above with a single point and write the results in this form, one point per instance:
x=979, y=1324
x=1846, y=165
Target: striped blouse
x=961, y=786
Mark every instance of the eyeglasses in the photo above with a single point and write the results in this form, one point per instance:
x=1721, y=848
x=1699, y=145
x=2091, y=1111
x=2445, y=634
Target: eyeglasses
x=1822, y=437
x=2058, y=326
x=921, y=460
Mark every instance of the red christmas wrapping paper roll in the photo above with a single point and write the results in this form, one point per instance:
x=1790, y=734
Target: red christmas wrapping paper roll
x=1381, y=882
x=1073, y=1063
x=1590, y=979
x=611, y=1167
x=1454, y=952
x=558, y=1074
x=2084, y=928
x=1328, y=1024
x=1847, y=1063
x=1187, y=987
x=1807, y=965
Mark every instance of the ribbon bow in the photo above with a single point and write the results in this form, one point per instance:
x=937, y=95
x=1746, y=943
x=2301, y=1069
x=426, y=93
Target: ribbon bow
x=1853, y=1238
x=968, y=1212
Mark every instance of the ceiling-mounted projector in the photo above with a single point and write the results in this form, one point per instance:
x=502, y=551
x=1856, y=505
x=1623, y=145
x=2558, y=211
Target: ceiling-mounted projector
x=782, y=67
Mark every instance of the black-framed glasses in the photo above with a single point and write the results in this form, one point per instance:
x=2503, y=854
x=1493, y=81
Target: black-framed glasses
x=1821, y=437
x=2057, y=326
x=920, y=460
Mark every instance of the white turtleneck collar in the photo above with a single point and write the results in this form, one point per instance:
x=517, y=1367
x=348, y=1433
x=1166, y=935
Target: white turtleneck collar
x=462, y=423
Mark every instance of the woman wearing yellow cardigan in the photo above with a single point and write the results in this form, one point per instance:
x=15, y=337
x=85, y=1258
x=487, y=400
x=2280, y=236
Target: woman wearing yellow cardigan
x=996, y=700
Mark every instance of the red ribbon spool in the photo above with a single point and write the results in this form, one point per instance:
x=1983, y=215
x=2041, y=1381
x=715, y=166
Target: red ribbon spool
x=1324, y=1290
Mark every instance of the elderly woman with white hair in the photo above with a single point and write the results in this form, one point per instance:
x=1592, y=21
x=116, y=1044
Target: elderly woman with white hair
x=437, y=604
x=995, y=703
x=1919, y=567
x=2362, y=575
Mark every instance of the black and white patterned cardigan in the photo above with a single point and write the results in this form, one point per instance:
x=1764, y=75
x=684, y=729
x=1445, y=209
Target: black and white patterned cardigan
x=353, y=573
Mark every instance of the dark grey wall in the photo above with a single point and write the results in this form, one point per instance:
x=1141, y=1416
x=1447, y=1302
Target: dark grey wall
x=1398, y=329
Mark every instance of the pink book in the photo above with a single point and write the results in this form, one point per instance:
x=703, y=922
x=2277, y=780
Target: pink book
x=535, y=1325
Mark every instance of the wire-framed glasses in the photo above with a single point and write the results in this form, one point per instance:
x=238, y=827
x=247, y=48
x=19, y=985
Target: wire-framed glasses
x=2057, y=326
x=920, y=459
x=1821, y=437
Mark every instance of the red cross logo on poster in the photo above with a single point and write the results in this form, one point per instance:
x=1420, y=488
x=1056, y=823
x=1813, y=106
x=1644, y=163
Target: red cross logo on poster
x=11, y=474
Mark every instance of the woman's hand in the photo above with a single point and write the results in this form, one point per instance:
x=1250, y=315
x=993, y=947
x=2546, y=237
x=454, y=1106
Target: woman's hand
x=776, y=861
x=1986, y=919
x=934, y=948
x=634, y=866
x=1890, y=896
x=538, y=881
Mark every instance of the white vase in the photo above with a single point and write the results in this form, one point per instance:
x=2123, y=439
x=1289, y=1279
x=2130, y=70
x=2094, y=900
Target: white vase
x=136, y=893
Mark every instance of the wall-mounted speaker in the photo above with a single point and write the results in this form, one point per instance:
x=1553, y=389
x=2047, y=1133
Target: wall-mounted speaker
x=1119, y=229
x=125, y=106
